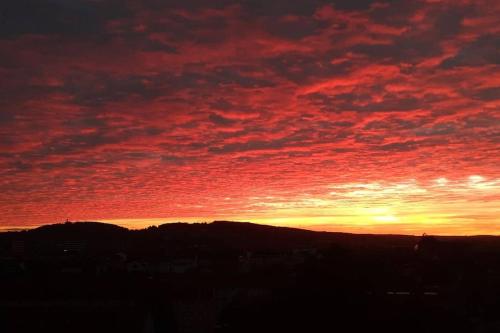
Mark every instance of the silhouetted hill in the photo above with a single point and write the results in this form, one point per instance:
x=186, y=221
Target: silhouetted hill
x=93, y=236
x=79, y=230
x=214, y=237
x=251, y=235
x=239, y=235
x=188, y=238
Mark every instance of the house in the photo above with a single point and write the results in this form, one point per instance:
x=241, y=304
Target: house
x=18, y=247
x=264, y=260
x=137, y=267
x=184, y=265
x=195, y=315
x=73, y=247
x=11, y=267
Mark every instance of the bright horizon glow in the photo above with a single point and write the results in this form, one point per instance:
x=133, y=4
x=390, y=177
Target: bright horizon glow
x=406, y=207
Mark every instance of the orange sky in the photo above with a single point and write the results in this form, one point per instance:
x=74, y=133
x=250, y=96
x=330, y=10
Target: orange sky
x=368, y=116
x=442, y=206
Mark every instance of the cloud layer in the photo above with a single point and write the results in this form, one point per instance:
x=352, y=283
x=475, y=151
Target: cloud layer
x=378, y=116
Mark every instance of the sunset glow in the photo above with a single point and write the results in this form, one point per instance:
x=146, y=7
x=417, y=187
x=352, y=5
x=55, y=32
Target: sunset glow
x=374, y=117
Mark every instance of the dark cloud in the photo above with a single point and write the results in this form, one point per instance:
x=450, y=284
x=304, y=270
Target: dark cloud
x=20, y=166
x=301, y=8
x=73, y=143
x=157, y=46
x=101, y=88
x=78, y=142
x=294, y=29
x=281, y=7
x=193, y=5
x=399, y=146
x=176, y=160
x=249, y=146
x=364, y=103
x=414, y=45
x=356, y=5
x=72, y=164
x=369, y=139
x=220, y=120
x=301, y=68
x=86, y=122
x=238, y=75
x=483, y=51
x=67, y=18
x=6, y=116
x=437, y=129
x=406, y=49
x=342, y=124
x=394, y=124
x=397, y=13
x=481, y=120
x=300, y=154
x=222, y=104
x=210, y=30
x=448, y=22
x=487, y=94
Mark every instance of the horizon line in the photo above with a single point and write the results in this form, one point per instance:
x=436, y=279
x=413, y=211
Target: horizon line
x=130, y=228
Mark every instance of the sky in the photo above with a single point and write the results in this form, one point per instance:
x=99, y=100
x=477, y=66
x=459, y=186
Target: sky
x=354, y=116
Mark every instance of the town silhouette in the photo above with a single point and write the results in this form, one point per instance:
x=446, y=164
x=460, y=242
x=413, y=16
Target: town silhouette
x=242, y=277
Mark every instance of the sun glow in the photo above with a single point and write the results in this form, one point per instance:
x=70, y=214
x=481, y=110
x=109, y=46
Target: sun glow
x=409, y=207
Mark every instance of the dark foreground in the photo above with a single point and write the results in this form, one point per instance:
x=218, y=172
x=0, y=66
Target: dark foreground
x=240, y=277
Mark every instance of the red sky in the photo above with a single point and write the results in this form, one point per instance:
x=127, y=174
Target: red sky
x=359, y=116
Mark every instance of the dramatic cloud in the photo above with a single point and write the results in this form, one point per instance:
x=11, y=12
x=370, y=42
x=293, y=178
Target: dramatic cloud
x=372, y=116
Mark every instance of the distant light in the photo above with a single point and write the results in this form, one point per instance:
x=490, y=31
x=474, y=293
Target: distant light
x=476, y=179
x=430, y=293
x=441, y=181
x=386, y=218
